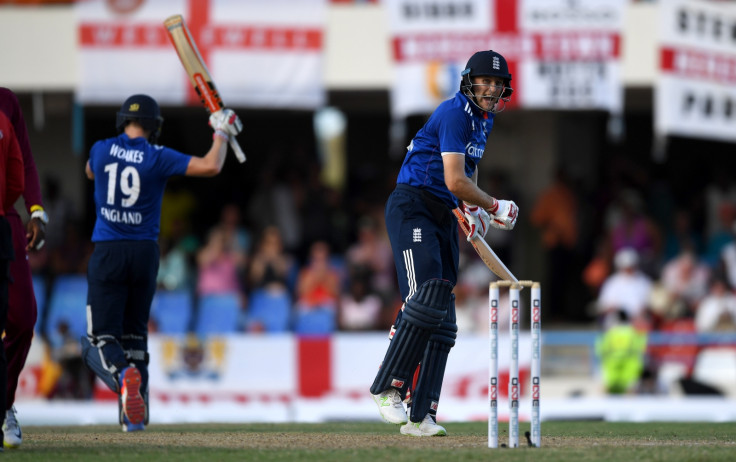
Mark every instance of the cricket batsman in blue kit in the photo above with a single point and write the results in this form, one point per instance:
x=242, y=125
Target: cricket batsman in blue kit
x=130, y=173
x=438, y=172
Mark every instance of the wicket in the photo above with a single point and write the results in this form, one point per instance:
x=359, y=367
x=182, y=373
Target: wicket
x=536, y=357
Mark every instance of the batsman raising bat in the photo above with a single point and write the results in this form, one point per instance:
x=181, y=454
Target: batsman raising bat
x=130, y=173
x=438, y=172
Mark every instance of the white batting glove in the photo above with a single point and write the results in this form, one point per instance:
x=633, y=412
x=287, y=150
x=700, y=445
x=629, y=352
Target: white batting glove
x=226, y=120
x=478, y=219
x=504, y=215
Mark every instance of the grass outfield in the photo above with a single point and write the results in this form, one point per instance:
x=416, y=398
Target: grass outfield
x=359, y=441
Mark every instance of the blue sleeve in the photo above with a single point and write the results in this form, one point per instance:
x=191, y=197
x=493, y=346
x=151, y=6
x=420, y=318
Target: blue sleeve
x=95, y=147
x=453, y=131
x=173, y=162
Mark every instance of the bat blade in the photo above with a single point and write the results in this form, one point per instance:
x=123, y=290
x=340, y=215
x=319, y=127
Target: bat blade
x=485, y=252
x=197, y=71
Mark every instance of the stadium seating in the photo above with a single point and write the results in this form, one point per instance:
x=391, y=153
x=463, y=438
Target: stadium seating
x=269, y=311
x=68, y=302
x=716, y=366
x=172, y=311
x=218, y=314
x=39, y=290
x=317, y=321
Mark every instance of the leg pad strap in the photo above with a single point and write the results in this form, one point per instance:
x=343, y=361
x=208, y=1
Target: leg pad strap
x=423, y=314
x=426, y=396
x=95, y=361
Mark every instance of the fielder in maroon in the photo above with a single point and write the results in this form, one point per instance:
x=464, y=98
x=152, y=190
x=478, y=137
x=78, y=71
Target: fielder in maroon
x=21, y=299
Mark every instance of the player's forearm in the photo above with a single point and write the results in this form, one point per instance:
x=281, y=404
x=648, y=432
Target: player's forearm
x=212, y=162
x=466, y=190
x=32, y=191
x=216, y=155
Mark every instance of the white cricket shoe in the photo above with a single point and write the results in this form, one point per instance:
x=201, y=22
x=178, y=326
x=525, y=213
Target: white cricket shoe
x=390, y=406
x=11, y=429
x=427, y=427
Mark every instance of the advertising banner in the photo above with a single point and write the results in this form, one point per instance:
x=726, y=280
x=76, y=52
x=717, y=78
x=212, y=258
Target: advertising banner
x=695, y=93
x=562, y=54
x=283, y=367
x=261, y=53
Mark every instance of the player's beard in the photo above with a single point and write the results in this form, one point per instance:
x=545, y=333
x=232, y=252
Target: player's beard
x=487, y=103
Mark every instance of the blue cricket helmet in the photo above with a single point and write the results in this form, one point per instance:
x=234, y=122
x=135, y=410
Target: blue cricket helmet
x=144, y=110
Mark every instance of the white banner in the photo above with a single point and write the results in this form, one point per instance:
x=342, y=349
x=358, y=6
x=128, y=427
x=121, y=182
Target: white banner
x=431, y=43
x=576, y=59
x=278, y=367
x=261, y=53
x=695, y=93
x=562, y=55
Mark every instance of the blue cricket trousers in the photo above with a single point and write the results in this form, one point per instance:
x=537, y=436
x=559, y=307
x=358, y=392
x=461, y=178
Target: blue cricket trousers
x=424, y=238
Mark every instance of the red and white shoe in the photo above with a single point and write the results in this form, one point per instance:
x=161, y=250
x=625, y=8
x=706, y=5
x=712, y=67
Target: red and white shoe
x=130, y=395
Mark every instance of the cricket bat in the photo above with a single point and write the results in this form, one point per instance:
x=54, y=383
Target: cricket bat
x=487, y=254
x=200, y=77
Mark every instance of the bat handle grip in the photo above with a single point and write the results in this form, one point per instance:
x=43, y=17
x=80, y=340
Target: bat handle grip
x=237, y=149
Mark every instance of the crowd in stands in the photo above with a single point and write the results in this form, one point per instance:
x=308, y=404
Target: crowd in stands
x=667, y=272
x=291, y=260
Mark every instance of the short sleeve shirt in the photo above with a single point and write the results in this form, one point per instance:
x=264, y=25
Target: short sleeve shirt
x=130, y=177
x=456, y=126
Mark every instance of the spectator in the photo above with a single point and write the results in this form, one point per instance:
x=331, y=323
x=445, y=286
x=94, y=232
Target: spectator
x=318, y=283
x=231, y=224
x=630, y=227
x=627, y=289
x=598, y=269
x=686, y=279
x=559, y=235
x=682, y=236
x=727, y=260
x=219, y=264
x=715, y=243
x=372, y=251
x=621, y=350
x=270, y=265
x=719, y=192
x=269, y=281
x=360, y=308
x=176, y=269
x=717, y=311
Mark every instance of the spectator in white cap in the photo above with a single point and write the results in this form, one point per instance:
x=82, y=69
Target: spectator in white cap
x=627, y=289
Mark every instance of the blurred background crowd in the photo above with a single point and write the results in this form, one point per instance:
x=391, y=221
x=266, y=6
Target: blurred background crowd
x=294, y=259
x=630, y=228
x=658, y=259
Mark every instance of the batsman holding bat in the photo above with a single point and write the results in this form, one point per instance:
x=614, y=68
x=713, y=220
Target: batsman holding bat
x=130, y=174
x=439, y=170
